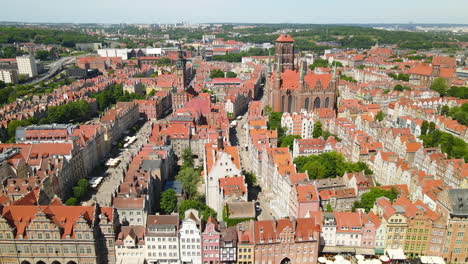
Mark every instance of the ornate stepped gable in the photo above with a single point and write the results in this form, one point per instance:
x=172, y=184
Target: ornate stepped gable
x=62, y=222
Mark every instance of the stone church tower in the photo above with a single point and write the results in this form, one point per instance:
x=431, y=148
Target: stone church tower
x=180, y=65
x=285, y=52
x=179, y=94
x=293, y=87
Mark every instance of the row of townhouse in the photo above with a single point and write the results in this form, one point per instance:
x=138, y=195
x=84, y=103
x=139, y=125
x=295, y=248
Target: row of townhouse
x=31, y=232
x=57, y=156
x=78, y=90
x=85, y=234
x=428, y=109
x=139, y=193
x=167, y=239
x=398, y=155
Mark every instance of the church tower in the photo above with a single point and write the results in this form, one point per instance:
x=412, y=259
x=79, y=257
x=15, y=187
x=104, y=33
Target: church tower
x=180, y=65
x=285, y=52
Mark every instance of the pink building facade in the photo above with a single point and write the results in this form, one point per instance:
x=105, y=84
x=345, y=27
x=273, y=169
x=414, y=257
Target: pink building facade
x=210, y=242
x=369, y=230
x=304, y=201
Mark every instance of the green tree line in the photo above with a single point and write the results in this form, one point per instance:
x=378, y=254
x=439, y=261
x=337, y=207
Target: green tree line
x=66, y=38
x=328, y=165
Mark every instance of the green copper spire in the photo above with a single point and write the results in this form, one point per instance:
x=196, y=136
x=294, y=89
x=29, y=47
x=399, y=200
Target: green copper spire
x=334, y=70
x=180, y=60
x=303, y=69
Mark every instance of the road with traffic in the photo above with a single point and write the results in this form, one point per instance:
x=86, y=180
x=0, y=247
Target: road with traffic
x=53, y=68
x=113, y=177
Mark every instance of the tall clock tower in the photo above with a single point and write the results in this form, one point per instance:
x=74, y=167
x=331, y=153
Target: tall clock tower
x=180, y=65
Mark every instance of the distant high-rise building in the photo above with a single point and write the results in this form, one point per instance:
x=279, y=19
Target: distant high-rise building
x=9, y=76
x=27, y=65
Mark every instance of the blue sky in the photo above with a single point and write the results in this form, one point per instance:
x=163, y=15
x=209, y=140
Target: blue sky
x=253, y=11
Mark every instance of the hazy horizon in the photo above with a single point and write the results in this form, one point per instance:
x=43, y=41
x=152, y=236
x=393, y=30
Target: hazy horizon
x=241, y=11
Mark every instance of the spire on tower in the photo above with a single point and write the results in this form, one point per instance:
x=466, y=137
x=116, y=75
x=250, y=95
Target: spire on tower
x=334, y=70
x=303, y=69
x=278, y=68
x=269, y=62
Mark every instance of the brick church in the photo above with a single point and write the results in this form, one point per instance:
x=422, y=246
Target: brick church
x=292, y=87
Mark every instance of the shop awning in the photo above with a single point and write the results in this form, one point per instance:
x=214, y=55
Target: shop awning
x=333, y=249
x=396, y=254
x=432, y=260
x=365, y=251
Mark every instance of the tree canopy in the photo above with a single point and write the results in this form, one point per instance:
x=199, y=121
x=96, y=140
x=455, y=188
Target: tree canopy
x=168, y=201
x=216, y=74
x=66, y=38
x=231, y=74
x=187, y=158
x=288, y=141
x=459, y=92
x=440, y=85
x=317, y=132
x=380, y=116
x=401, y=88
x=458, y=113
x=189, y=178
x=113, y=94
x=453, y=146
x=205, y=210
x=399, y=76
x=368, y=199
x=328, y=165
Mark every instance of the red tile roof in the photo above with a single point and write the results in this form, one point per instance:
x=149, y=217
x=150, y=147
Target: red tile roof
x=284, y=38
x=233, y=186
x=307, y=193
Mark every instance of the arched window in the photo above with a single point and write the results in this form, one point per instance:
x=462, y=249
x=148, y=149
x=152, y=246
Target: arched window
x=282, y=103
x=306, y=104
x=327, y=102
x=317, y=102
x=290, y=103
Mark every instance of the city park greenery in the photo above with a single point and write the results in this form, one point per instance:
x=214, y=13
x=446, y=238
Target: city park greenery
x=440, y=85
x=324, y=64
x=66, y=38
x=328, y=165
x=399, y=77
x=453, y=146
x=458, y=113
x=401, y=88
x=216, y=73
x=10, y=92
x=368, y=199
x=237, y=57
x=113, y=94
x=73, y=112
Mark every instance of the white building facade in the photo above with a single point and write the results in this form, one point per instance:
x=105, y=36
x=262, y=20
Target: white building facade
x=190, y=239
x=27, y=65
